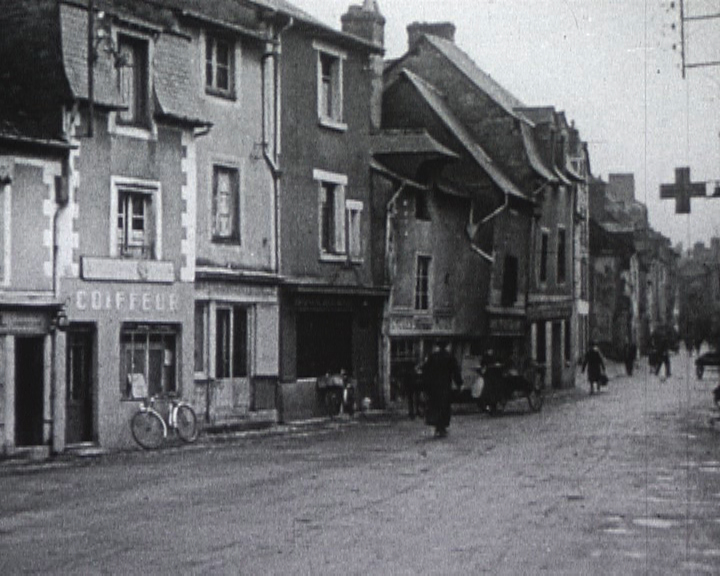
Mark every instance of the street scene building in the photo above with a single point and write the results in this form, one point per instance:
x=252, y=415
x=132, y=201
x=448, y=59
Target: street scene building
x=222, y=202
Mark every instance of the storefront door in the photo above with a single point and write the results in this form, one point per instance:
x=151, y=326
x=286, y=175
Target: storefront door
x=79, y=405
x=29, y=386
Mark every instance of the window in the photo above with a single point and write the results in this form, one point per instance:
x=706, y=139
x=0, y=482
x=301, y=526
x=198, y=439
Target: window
x=568, y=335
x=148, y=360
x=541, y=349
x=133, y=80
x=510, y=281
x=422, y=283
x=561, y=249
x=226, y=212
x=134, y=225
x=422, y=210
x=354, y=233
x=231, y=354
x=543, y=256
x=219, y=66
x=201, y=341
x=332, y=214
x=136, y=214
x=330, y=85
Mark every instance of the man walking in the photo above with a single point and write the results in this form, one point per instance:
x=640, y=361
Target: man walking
x=595, y=365
x=439, y=371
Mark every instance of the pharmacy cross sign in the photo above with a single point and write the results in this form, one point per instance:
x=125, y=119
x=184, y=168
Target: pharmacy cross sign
x=682, y=190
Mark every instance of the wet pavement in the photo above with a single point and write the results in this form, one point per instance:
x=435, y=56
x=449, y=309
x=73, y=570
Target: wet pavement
x=622, y=482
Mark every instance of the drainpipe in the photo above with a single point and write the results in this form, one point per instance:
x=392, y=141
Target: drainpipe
x=271, y=156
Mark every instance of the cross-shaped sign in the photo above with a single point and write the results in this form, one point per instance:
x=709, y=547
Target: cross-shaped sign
x=682, y=190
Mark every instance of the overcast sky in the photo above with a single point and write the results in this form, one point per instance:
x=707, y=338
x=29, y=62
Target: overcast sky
x=611, y=66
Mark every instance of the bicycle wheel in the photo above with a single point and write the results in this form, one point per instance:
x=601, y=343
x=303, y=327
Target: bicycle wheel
x=186, y=423
x=147, y=429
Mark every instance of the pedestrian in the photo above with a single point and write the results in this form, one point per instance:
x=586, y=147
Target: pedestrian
x=595, y=366
x=439, y=371
x=630, y=355
x=662, y=351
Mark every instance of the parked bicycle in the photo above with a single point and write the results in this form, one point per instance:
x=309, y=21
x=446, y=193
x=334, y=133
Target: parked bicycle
x=149, y=428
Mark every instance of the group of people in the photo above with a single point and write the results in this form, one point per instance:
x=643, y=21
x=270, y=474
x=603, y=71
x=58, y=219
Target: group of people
x=438, y=373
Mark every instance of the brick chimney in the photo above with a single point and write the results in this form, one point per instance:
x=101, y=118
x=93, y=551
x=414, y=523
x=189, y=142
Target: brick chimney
x=445, y=30
x=365, y=22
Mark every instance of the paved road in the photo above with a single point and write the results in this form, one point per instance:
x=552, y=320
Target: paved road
x=624, y=482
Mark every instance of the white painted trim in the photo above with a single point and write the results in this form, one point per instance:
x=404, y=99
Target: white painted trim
x=188, y=192
x=7, y=236
x=321, y=46
x=332, y=177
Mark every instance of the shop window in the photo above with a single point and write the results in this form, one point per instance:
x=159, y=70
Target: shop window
x=330, y=86
x=568, y=340
x=226, y=202
x=510, y=281
x=231, y=346
x=561, y=256
x=219, y=67
x=541, y=348
x=148, y=360
x=132, y=76
x=422, y=283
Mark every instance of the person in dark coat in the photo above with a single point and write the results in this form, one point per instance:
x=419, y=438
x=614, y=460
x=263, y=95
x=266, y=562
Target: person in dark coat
x=630, y=355
x=595, y=365
x=439, y=371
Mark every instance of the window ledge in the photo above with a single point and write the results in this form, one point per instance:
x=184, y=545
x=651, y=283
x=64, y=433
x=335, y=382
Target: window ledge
x=340, y=258
x=128, y=270
x=333, y=124
x=133, y=131
x=228, y=96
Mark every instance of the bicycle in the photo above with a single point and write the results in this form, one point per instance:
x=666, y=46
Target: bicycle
x=149, y=428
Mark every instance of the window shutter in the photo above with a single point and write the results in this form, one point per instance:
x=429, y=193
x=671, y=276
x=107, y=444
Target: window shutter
x=339, y=209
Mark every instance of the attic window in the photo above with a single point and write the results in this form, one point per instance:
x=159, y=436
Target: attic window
x=219, y=67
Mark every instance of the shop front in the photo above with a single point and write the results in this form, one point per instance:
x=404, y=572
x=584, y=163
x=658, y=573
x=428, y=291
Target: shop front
x=123, y=342
x=27, y=340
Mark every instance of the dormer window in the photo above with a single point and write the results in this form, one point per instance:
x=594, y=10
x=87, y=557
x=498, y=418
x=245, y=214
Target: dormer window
x=132, y=77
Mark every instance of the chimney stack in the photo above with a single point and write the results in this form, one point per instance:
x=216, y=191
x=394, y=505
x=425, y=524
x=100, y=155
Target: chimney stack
x=444, y=30
x=365, y=22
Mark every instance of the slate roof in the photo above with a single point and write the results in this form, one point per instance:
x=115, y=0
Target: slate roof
x=482, y=80
x=437, y=103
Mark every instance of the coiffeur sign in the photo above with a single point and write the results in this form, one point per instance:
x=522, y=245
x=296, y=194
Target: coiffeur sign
x=126, y=301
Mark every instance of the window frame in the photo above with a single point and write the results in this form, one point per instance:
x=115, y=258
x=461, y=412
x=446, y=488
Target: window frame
x=423, y=285
x=561, y=264
x=235, y=236
x=338, y=182
x=508, y=300
x=151, y=190
x=231, y=345
x=201, y=350
x=544, y=254
x=335, y=119
x=211, y=42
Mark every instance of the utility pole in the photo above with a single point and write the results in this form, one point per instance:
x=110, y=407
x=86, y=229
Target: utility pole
x=683, y=20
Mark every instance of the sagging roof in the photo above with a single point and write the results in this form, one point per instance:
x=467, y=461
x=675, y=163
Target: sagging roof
x=484, y=81
x=409, y=141
x=437, y=103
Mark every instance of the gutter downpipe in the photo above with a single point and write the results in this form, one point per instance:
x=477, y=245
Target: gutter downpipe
x=271, y=157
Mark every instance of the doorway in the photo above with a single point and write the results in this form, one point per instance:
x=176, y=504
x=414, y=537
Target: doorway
x=79, y=393
x=29, y=390
x=557, y=355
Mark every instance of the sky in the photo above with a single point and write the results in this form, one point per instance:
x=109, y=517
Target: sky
x=614, y=67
